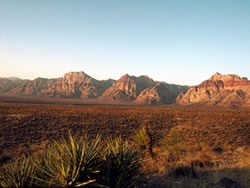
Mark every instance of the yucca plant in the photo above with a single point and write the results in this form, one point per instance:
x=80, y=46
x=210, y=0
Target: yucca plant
x=140, y=139
x=122, y=164
x=18, y=174
x=146, y=139
x=72, y=163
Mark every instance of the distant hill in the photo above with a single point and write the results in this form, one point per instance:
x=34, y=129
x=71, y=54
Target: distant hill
x=160, y=93
x=224, y=90
x=127, y=88
x=76, y=85
x=81, y=85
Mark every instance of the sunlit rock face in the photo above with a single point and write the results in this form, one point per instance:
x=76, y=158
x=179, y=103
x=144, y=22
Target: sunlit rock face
x=127, y=88
x=77, y=85
x=225, y=90
x=160, y=93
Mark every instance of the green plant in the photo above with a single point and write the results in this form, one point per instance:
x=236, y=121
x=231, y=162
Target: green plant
x=146, y=139
x=18, y=174
x=140, y=139
x=174, y=142
x=76, y=163
x=122, y=164
x=73, y=163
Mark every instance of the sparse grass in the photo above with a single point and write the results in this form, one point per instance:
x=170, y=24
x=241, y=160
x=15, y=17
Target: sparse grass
x=174, y=142
x=199, y=131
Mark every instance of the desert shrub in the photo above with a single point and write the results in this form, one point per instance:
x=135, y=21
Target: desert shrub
x=218, y=150
x=140, y=139
x=174, y=143
x=122, y=165
x=197, y=164
x=72, y=163
x=146, y=139
x=76, y=162
x=18, y=174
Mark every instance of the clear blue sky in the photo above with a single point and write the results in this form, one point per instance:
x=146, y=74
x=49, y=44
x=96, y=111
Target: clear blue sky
x=177, y=41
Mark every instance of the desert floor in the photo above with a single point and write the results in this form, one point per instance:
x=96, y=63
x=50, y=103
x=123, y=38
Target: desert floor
x=28, y=128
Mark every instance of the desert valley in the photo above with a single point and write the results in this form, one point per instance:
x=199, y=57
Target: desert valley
x=184, y=136
x=222, y=90
x=124, y=94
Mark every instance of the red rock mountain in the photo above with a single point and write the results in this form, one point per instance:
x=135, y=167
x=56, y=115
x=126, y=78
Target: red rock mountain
x=127, y=88
x=13, y=87
x=142, y=89
x=7, y=84
x=226, y=90
x=72, y=85
x=76, y=85
x=160, y=93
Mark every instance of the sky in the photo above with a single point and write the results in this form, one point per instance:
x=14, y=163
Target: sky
x=176, y=41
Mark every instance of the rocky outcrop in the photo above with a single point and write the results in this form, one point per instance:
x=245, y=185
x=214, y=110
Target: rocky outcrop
x=7, y=84
x=72, y=85
x=160, y=93
x=15, y=86
x=226, y=90
x=76, y=85
x=143, y=82
x=142, y=89
x=30, y=87
x=127, y=88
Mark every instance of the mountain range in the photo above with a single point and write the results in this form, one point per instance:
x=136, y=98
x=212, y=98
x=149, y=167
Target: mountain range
x=225, y=90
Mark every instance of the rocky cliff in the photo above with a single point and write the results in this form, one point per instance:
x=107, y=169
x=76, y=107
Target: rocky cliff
x=142, y=89
x=160, y=93
x=127, y=88
x=226, y=90
x=76, y=85
x=14, y=87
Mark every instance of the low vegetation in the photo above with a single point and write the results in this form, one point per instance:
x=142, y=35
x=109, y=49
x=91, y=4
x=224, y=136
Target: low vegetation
x=18, y=174
x=76, y=162
x=121, y=164
x=174, y=143
x=72, y=163
x=137, y=147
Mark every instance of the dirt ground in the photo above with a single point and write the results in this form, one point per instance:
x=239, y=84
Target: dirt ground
x=23, y=127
